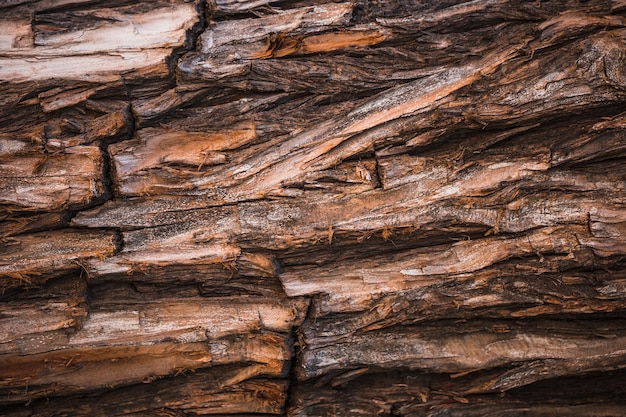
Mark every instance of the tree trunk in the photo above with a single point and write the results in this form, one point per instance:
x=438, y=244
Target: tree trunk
x=255, y=207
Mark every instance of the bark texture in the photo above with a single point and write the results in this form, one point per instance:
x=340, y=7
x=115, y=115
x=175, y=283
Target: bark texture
x=307, y=208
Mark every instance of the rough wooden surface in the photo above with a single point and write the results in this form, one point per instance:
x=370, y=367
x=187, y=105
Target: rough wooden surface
x=307, y=208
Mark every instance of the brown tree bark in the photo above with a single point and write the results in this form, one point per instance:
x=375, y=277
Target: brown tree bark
x=312, y=208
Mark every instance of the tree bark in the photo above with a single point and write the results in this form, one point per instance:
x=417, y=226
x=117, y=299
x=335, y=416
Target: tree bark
x=310, y=208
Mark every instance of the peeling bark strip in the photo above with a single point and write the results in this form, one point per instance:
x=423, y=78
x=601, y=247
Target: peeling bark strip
x=561, y=348
x=307, y=208
x=34, y=258
x=92, y=45
x=40, y=181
